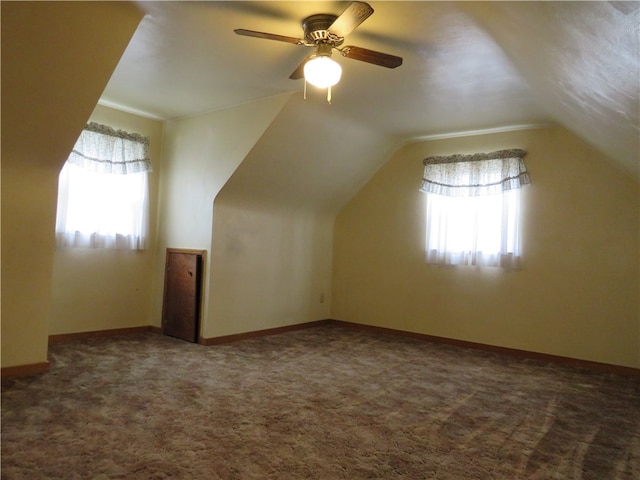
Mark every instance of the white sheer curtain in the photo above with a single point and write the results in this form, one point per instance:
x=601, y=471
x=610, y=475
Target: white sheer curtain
x=103, y=191
x=473, y=208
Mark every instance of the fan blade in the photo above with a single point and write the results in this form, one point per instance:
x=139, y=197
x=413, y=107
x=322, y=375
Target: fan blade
x=353, y=15
x=298, y=73
x=269, y=36
x=370, y=56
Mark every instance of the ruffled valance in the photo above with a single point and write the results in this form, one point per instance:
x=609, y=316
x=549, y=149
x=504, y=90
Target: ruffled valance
x=102, y=149
x=476, y=174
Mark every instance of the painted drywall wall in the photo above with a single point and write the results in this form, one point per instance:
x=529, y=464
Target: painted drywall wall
x=48, y=93
x=271, y=266
x=98, y=289
x=577, y=294
x=27, y=257
x=200, y=153
x=273, y=220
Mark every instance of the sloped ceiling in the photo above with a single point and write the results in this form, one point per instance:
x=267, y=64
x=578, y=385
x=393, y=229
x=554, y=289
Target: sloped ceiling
x=467, y=66
x=582, y=62
x=311, y=156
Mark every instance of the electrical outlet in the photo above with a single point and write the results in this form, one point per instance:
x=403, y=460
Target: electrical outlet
x=322, y=298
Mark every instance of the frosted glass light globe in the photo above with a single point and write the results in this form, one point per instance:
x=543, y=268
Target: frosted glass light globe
x=322, y=72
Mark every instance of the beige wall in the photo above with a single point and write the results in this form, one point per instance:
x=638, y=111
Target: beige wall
x=273, y=220
x=98, y=289
x=28, y=190
x=577, y=294
x=271, y=265
x=48, y=93
x=200, y=154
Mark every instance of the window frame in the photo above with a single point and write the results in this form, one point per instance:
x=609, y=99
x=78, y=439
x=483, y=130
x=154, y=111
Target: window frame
x=456, y=224
x=112, y=162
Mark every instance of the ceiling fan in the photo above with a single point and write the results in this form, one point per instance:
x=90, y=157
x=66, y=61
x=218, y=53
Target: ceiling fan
x=326, y=32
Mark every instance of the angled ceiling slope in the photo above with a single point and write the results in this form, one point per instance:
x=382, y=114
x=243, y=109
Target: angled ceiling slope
x=583, y=61
x=467, y=66
x=317, y=165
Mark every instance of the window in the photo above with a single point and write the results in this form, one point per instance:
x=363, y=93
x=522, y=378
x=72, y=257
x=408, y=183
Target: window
x=473, y=208
x=102, y=191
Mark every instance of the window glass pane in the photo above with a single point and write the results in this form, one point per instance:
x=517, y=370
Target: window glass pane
x=480, y=230
x=94, y=205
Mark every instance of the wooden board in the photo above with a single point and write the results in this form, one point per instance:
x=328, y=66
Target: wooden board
x=182, y=294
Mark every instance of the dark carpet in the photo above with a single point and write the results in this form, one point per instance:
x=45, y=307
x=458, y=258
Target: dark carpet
x=328, y=402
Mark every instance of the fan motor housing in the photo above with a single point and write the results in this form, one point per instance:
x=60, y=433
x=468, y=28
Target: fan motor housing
x=316, y=29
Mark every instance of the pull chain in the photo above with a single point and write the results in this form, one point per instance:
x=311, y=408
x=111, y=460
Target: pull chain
x=304, y=92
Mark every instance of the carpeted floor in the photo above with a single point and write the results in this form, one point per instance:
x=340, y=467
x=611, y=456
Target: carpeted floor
x=323, y=403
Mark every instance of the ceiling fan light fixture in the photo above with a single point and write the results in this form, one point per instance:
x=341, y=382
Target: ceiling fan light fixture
x=326, y=32
x=322, y=71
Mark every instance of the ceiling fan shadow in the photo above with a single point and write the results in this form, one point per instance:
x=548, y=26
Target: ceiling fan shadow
x=263, y=9
x=395, y=43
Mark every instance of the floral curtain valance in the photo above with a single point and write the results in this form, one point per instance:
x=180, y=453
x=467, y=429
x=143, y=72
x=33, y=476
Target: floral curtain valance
x=476, y=174
x=102, y=149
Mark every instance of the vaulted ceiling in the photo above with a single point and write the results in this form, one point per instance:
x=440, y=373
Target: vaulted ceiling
x=467, y=66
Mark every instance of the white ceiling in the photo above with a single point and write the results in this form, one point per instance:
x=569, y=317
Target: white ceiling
x=467, y=66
